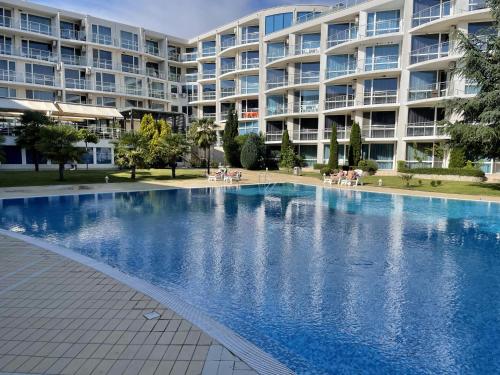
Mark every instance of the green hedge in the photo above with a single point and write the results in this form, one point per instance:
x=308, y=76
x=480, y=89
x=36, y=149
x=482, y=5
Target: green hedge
x=319, y=166
x=470, y=172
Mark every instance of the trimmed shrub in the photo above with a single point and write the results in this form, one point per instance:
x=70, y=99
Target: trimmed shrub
x=355, y=143
x=457, y=158
x=445, y=171
x=252, y=152
x=369, y=166
x=325, y=170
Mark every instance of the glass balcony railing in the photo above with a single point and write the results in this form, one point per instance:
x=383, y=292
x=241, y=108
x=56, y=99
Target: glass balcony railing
x=424, y=129
x=228, y=43
x=306, y=107
x=189, y=57
x=341, y=70
x=429, y=91
x=477, y=5
x=157, y=94
x=208, y=52
x=432, y=13
x=77, y=84
x=381, y=63
x=193, y=97
x=380, y=97
x=228, y=91
x=277, y=82
x=102, y=39
x=277, y=54
x=130, y=68
x=227, y=68
x=343, y=132
x=151, y=49
x=10, y=76
x=209, y=95
x=6, y=21
x=38, y=54
x=274, y=136
x=305, y=78
x=343, y=36
x=174, y=56
x=432, y=52
x=154, y=73
x=339, y=101
x=191, y=77
x=72, y=34
x=129, y=44
x=383, y=27
x=133, y=90
x=208, y=75
x=105, y=86
x=249, y=113
x=250, y=38
x=250, y=64
x=40, y=79
x=174, y=77
x=310, y=48
x=36, y=27
x=276, y=111
x=305, y=135
x=103, y=64
x=380, y=131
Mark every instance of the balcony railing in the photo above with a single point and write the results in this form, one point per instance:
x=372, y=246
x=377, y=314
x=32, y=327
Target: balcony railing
x=103, y=64
x=342, y=133
x=277, y=54
x=380, y=63
x=432, y=13
x=174, y=56
x=305, y=77
x=305, y=49
x=225, y=92
x=383, y=27
x=130, y=68
x=74, y=60
x=339, y=101
x=250, y=38
x=132, y=90
x=77, y=84
x=155, y=73
x=306, y=107
x=102, y=39
x=10, y=76
x=277, y=82
x=424, y=129
x=343, y=36
x=250, y=64
x=192, y=97
x=208, y=75
x=6, y=21
x=435, y=51
x=40, y=79
x=38, y=54
x=249, y=90
x=274, y=136
x=105, y=87
x=152, y=50
x=174, y=77
x=191, y=77
x=379, y=131
x=208, y=52
x=129, y=44
x=275, y=111
x=211, y=116
x=433, y=90
x=380, y=97
x=227, y=69
x=477, y=5
x=341, y=70
x=250, y=113
x=36, y=27
x=305, y=135
x=73, y=34
x=157, y=94
x=228, y=43
x=188, y=57
x=210, y=95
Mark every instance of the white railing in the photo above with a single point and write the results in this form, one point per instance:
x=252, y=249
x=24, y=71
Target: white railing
x=38, y=54
x=306, y=107
x=6, y=21
x=155, y=73
x=380, y=131
x=249, y=90
x=210, y=95
x=208, y=75
x=130, y=68
x=343, y=132
x=132, y=90
x=309, y=48
x=129, y=44
x=343, y=36
x=74, y=60
x=381, y=97
x=477, y=5
x=105, y=87
x=77, y=84
x=277, y=54
x=380, y=63
x=193, y=98
x=152, y=49
x=157, y=94
x=277, y=82
x=174, y=77
x=208, y=52
x=40, y=79
x=174, y=56
x=227, y=68
x=73, y=34
x=250, y=38
x=383, y=27
x=228, y=43
x=11, y=76
x=275, y=111
x=435, y=51
x=341, y=70
x=225, y=92
x=36, y=27
x=250, y=63
x=339, y=101
x=433, y=90
x=305, y=135
x=103, y=64
x=305, y=77
x=102, y=39
x=432, y=13
x=424, y=129
x=191, y=77
x=274, y=136
x=189, y=57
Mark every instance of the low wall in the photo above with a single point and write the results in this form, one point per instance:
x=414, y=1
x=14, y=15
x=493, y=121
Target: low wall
x=446, y=177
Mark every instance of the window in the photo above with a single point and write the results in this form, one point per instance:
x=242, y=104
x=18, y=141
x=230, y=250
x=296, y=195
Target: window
x=307, y=72
x=40, y=74
x=275, y=51
x=208, y=70
x=7, y=70
x=305, y=16
x=249, y=59
x=208, y=48
x=5, y=17
x=383, y=22
x=75, y=98
x=13, y=154
x=130, y=64
x=104, y=155
x=482, y=28
x=249, y=34
x=105, y=82
x=381, y=91
x=309, y=43
x=70, y=30
x=102, y=59
x=339, y=65
x=339, y=96
x=227, y=64
x=429, y=10
x=341, y=32
x=37, y=24
x=133, y=103
x=49, y=96
x=383, y=154
x=5, y=45
x=276, y=105
x=379, y=124
x=382, y=57
x=428, y=47
x=249, y=85
x=157, y=106
x=6, y=92
x=104, y=101
x=427, y=84
x=133, y=86
x=251, y=127
x=71, y=56
x=152, y=47
x=36, y=50
x=75, y=79
x=227, y=40
x=129, y=40
x=278, y=22
x=101, y=35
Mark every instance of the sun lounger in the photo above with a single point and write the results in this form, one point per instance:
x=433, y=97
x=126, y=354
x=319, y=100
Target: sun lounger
x=216, y=177
x=333, y=179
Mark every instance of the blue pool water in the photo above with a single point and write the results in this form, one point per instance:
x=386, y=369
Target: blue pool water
x=326, y=281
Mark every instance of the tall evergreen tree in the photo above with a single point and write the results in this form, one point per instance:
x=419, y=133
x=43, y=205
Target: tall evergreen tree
x=478, y=130
x=355, y=145
x=333, y=160
x=230, y=145
x=285, y=143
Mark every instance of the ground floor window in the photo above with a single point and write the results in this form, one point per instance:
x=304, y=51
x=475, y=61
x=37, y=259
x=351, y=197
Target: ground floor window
x=12, y=154
x=309, y=154
x=342, y=152
x=104, y=155
x=424, y=155
x=383, y=154
x=248, y=127
x=87, y=157
x=29, y=158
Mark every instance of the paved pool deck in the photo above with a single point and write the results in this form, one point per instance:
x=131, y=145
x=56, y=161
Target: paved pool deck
x=58, y=316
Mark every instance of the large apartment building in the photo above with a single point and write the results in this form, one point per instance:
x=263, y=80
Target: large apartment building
x=386, y=64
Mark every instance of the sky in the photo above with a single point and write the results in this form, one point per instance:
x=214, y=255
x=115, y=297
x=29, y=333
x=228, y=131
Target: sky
x=182, y=18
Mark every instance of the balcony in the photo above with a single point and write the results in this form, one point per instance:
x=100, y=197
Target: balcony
x=208, y=75
x=152, y=50
x=210, y=116
x=157, y=94
x=129, y=44
x=192, y=97
x=305, y=135
x=424, y=129
x=103, y=64
x=228, y=43
x=77, y=84
x=73, y=35
x=343, y=132
x=75, y=60
x=304, y=78
x=208, y=52
x=209, y=95
x=276, y=111
x=6, y=21
x=343, y=36
x=383, y=27
x=277, y=83
x=274, y=136
x=433, y=90
x=477, y=5
x=432, y=13
x=227, y=69
x=305, y=49
x=191, y=77
x=174, y=56
x=250, y=64
x=380, y=97
x=306, y=107
x=11, y=76
x=435, y=51
x=36, y=27
x=102, y=39
x=154, y=73
x=250, y=38
x=380, y=131
x=225, y=92
x=189, y=57
x=339, y=101
x=341, y=70
x=174, y=77
x=38, y=54
x=380, y=63
x=249, y=113
x=105, y=87
x=277, y=54
x=130, y=68
x=251, y=90
x=132, y=90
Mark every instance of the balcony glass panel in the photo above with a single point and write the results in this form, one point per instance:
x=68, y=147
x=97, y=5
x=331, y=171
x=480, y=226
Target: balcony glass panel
x=339, y=65
x=382, y=57
x=36, y=24
x=101, y=35
x=383, y=22
x=425, y=11
x=341, y=33
x=276, y=51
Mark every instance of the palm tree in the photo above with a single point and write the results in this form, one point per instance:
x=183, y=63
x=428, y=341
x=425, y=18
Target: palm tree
x=28, y=133
x=130, y=152
x=88, y=137
x=203, y=135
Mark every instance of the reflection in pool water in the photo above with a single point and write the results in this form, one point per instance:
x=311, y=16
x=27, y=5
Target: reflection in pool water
x=326, y=281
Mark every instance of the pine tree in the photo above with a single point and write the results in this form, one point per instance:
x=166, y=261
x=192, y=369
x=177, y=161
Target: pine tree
x=478, y=131
x=333, y=161
x=230, y=145
x=355, y=145
x=285, y=143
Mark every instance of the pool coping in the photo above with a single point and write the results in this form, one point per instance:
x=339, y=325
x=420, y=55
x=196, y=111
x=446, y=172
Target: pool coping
x=252, y=355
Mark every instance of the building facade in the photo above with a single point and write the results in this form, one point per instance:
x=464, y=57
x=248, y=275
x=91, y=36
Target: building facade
x=386, y=64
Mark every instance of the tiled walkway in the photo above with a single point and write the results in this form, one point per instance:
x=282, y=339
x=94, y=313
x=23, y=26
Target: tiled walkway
x=60, y=317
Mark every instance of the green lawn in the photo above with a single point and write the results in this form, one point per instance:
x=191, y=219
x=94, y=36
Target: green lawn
x=82, y=176
x=448, y=187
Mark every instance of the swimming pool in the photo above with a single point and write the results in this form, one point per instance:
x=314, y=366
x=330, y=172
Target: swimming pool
x=326, y=281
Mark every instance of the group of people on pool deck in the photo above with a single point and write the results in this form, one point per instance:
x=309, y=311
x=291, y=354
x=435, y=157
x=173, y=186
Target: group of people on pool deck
x=223, y=174
x=349, y=178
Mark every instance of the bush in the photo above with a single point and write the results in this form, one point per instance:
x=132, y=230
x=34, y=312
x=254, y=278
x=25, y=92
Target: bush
x=457, y=158
x=325, y=170
x=252, y=152
x=319, y=166
x=369, y=166
x=469, y=172
x=406, y=177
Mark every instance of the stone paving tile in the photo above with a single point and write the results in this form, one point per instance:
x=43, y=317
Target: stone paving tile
x=60, y=317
